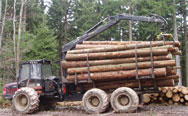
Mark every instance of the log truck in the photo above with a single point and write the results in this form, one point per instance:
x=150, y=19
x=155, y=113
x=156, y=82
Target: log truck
x=37, y=87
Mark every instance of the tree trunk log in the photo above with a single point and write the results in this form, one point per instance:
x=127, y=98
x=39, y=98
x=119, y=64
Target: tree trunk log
x=127, y=66
x=169, y=94
x=108, y=82
x=180, y=89
x=177, y=44
x=182, y=100
x=118, y=48
x=119, y=82
x=186, y=97
x=175, y=90
x=170, y=102
x=184, y=90
x=131, y=84
x=118, y=74
x=74, y=64
x=164, y=89
x=146, y=98
x=176, y=98
x=119, y=54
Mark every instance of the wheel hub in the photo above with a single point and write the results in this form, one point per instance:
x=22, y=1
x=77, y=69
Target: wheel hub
x=123, y=100
x=94, y=101
x=21, y=102
x=24, y=101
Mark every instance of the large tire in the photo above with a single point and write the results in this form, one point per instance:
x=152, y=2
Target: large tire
x=25, y=100
x=47, y=103
x=124, y=99
x=95, y=101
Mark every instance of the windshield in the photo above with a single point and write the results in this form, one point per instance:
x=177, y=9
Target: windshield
x=35, y=71
x=24, y=72
x=46, y=70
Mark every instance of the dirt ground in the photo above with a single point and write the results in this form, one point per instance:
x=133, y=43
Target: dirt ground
x=146, y=110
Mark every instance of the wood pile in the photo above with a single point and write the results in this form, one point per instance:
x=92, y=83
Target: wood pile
x=168, y=95
x=112, y=64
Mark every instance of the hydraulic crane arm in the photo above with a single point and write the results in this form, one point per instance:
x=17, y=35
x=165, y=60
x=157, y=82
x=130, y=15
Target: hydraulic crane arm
x=106, y=24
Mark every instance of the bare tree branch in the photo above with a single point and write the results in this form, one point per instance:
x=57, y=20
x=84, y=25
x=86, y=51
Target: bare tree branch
x=3, y=24
x=19, y=36
x=14, y=31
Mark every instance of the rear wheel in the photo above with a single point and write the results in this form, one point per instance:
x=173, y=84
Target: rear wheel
x=25, y=100
x=124, y=99
x=95, y=101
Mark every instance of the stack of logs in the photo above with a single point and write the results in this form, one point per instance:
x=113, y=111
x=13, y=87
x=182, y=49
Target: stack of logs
x=168, y=95
x=112, y=64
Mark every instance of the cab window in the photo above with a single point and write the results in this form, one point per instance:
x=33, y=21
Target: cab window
x=24, y=73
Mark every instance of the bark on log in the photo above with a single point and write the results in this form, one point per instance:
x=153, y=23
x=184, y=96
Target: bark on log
x=74, y=64
x=131, y=84
x=107, y=83
x=131, y=81
x=171, y=71
x=81, y=46
x=118, y=74
x=117, y=67
x=119, y=54
x=177, y=44
x=110, y=42
x=118, y=48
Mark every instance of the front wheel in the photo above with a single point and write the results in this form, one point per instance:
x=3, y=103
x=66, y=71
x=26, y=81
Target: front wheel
x=25, y=100
x=124, y=99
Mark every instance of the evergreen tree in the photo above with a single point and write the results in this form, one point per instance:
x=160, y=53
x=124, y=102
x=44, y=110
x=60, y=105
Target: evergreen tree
x=44, y=45
x=60, y=16
x=164, y=8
